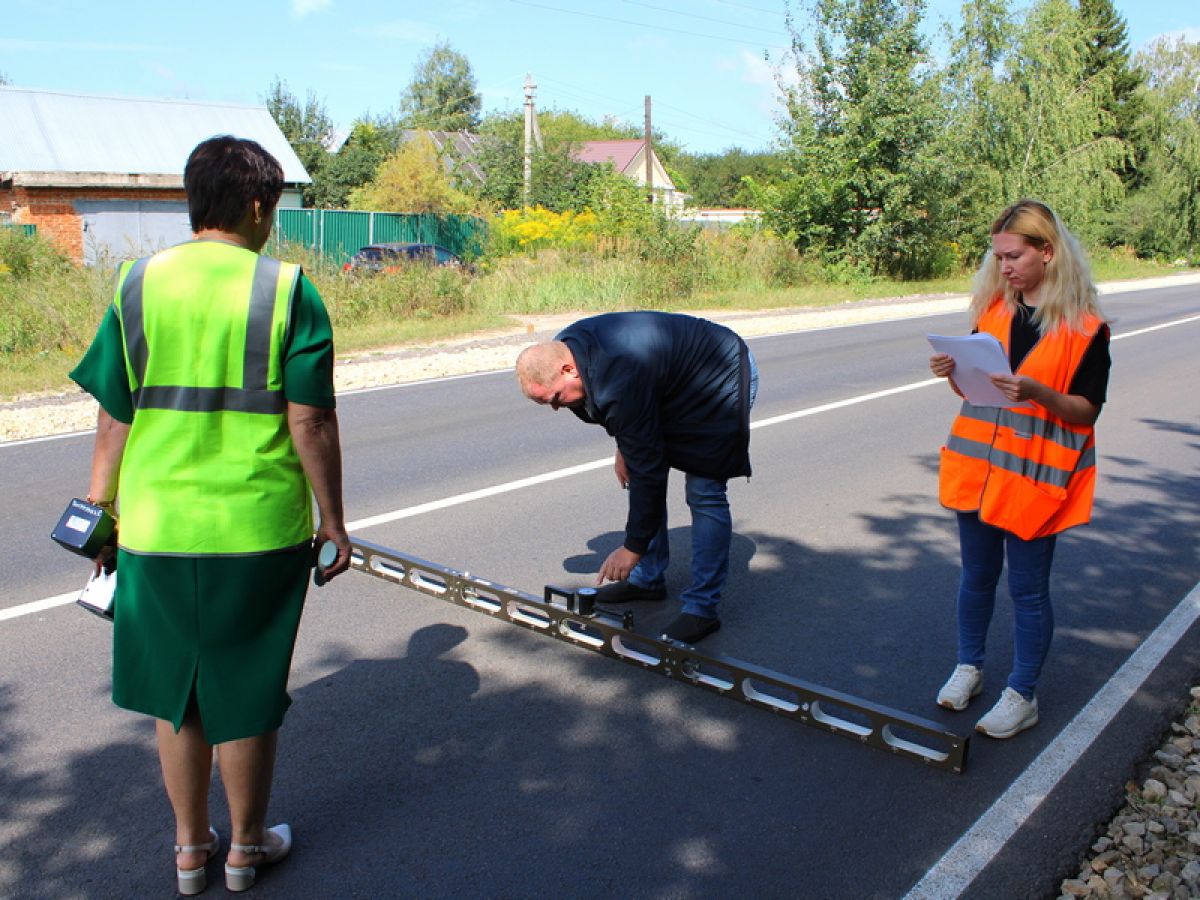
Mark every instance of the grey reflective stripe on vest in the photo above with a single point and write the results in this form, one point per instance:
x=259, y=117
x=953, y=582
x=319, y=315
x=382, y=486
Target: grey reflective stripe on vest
x=254, y=395
x=1019, y=465
x=257, y=361
x=1029, y=426
x=209, y=399
x=131, y=319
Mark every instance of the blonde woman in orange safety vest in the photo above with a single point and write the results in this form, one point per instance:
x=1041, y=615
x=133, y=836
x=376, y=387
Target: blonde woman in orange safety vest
x=1018, y=476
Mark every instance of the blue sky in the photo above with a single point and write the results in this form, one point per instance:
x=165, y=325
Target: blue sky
x=701, y=61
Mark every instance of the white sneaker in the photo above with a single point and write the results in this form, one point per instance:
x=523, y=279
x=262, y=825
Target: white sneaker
x=965, y=683
x=1011, y=714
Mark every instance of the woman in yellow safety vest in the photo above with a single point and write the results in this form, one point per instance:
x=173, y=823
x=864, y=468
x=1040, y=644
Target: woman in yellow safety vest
x=1019, y=475
x=214, y=372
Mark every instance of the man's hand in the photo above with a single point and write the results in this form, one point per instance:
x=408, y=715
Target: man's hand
x=618, y=565
x=621, y=471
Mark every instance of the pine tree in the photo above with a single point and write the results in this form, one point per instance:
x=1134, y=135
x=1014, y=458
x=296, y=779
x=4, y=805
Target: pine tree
x=1108, y=59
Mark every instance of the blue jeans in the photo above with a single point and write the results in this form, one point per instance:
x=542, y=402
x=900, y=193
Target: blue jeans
x=712, y=533
x=983, y=552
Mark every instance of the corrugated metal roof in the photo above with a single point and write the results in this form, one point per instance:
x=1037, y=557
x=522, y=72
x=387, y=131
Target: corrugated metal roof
x=51, y=131
x=465, y=144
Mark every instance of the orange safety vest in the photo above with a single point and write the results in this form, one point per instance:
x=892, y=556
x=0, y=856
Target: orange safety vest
x=1025, y=470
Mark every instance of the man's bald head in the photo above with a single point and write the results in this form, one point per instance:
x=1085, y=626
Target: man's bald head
x=547, y=375
x=541, y=363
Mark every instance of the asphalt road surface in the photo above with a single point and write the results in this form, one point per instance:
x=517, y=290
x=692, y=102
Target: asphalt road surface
x=435, y=752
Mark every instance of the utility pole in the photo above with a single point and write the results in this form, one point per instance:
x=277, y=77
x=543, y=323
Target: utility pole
x=530, y=128
x=649, y=163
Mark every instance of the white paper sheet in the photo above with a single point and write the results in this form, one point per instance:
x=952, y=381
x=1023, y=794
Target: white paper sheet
x=976, y=356
x=97, y=594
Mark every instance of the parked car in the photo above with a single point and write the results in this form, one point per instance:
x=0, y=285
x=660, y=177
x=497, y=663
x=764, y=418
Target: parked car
x=389, y=257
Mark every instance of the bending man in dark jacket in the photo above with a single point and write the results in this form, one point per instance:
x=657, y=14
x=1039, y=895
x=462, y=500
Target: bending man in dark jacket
x=675, y=391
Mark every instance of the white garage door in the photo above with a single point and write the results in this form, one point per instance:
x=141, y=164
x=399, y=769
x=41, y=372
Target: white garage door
x=114, y=230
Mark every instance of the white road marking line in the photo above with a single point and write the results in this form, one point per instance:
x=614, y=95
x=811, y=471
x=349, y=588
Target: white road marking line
x=1150, y=328
x=951, y=876
x=480, y=494
x=35, y=606
x=520, y=483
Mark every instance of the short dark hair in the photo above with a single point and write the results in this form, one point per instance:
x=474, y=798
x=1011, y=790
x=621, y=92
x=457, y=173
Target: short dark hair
x=224, y=175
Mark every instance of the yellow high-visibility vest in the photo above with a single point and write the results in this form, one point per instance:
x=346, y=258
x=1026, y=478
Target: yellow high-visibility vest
x=209, y=467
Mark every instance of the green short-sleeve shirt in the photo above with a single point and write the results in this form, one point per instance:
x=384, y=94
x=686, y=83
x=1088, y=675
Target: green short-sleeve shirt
x=307, y=359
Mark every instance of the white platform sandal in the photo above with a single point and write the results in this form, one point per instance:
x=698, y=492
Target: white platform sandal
x=193, y=881
x=241, y=878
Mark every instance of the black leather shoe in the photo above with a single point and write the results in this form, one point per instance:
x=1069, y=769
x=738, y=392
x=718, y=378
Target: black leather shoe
x=689, y=629
x=621, y=592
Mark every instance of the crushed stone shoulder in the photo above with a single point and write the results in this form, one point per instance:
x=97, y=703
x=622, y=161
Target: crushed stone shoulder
x=71, y=412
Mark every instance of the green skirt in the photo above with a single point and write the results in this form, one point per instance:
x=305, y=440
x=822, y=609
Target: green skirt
x=219, y=628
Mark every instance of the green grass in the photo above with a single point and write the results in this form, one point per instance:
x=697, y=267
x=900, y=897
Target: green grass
x=1119, y=264
x=377, y=335
x=24, y=376
x=817, y=295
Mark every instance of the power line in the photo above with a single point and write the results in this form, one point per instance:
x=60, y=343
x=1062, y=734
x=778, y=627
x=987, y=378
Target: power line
x=711, y=37
x=585, y=93
x=773, y=12
x=658, y=103
x=674, y=12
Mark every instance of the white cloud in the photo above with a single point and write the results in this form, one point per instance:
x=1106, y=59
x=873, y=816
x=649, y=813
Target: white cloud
x=1191, y=35
x=301, y=8
x=756, y=70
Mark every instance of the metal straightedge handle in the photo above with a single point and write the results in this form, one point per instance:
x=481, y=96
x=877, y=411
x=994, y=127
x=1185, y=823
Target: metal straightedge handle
x=560, y=614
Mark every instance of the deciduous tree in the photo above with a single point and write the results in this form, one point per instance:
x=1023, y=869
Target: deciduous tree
x=719, y=179
x=354, y=164
x=862, y=182
x=1029, y=118
x=1163, y=216
x=306, y=126
x=414, y=180
x=442, y=95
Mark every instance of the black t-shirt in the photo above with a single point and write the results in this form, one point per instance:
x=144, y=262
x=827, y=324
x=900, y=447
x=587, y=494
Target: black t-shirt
x=1091, y=378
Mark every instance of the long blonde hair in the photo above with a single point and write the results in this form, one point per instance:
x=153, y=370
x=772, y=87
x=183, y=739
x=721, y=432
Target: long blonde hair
x=1067, y=292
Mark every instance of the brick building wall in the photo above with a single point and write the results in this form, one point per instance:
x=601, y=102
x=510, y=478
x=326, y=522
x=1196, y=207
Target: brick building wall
x=52, y=210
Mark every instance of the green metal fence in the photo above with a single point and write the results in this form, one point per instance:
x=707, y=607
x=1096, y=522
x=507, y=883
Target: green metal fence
x=27, y=230
x=338, y=233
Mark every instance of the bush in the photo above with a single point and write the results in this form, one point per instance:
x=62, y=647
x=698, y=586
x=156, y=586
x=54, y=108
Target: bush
x=46, y=303
x=24, y=256
x=356, y=298
x=536, y=228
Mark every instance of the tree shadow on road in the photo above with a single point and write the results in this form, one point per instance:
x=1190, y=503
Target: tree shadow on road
x=481, y=760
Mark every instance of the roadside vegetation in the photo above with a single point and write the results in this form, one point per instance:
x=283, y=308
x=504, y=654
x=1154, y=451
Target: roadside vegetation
x=49, y=308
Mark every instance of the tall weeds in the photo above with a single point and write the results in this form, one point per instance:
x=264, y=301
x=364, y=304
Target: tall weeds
x=49, y=308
